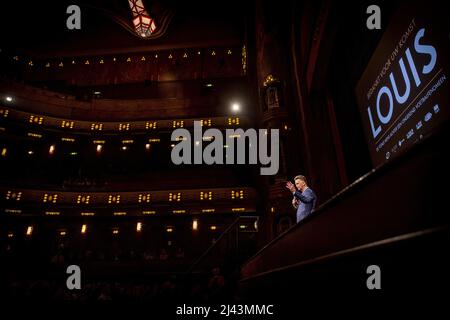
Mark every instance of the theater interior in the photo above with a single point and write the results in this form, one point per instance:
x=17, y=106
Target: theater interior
x=87, y=176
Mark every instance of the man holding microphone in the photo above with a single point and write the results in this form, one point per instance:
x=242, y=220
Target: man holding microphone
x=304, y=197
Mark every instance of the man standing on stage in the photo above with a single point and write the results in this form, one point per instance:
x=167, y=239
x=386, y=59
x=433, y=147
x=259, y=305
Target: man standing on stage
x=304, y=198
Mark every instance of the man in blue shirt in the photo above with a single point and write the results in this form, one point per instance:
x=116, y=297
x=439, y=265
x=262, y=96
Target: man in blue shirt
x=304, y=197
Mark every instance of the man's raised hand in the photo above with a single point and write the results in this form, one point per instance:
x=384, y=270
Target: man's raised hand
x=290, y=186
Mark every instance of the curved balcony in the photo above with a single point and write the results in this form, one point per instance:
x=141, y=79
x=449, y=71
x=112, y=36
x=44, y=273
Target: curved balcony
x=17, y=201
x=41, y=101
x=72, y=125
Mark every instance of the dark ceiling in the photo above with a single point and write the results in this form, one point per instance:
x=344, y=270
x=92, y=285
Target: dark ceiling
x=39, y=28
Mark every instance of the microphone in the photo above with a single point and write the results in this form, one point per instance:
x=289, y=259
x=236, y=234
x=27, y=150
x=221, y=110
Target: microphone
x=295, y=203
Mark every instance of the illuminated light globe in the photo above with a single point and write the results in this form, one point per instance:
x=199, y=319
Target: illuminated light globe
x=144, y=25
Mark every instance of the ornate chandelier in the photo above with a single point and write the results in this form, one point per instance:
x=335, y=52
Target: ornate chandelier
x=144, y=25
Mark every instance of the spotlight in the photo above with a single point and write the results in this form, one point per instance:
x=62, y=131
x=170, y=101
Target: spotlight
x=195, y=224
x=235, y=107
x=9, y=99
x=124, y=148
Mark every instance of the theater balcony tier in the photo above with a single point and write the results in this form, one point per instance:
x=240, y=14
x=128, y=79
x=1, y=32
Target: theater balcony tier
x=166, y=65
x=100, y=179
x=34, y=121
x=115, y=103
x=184, y=202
